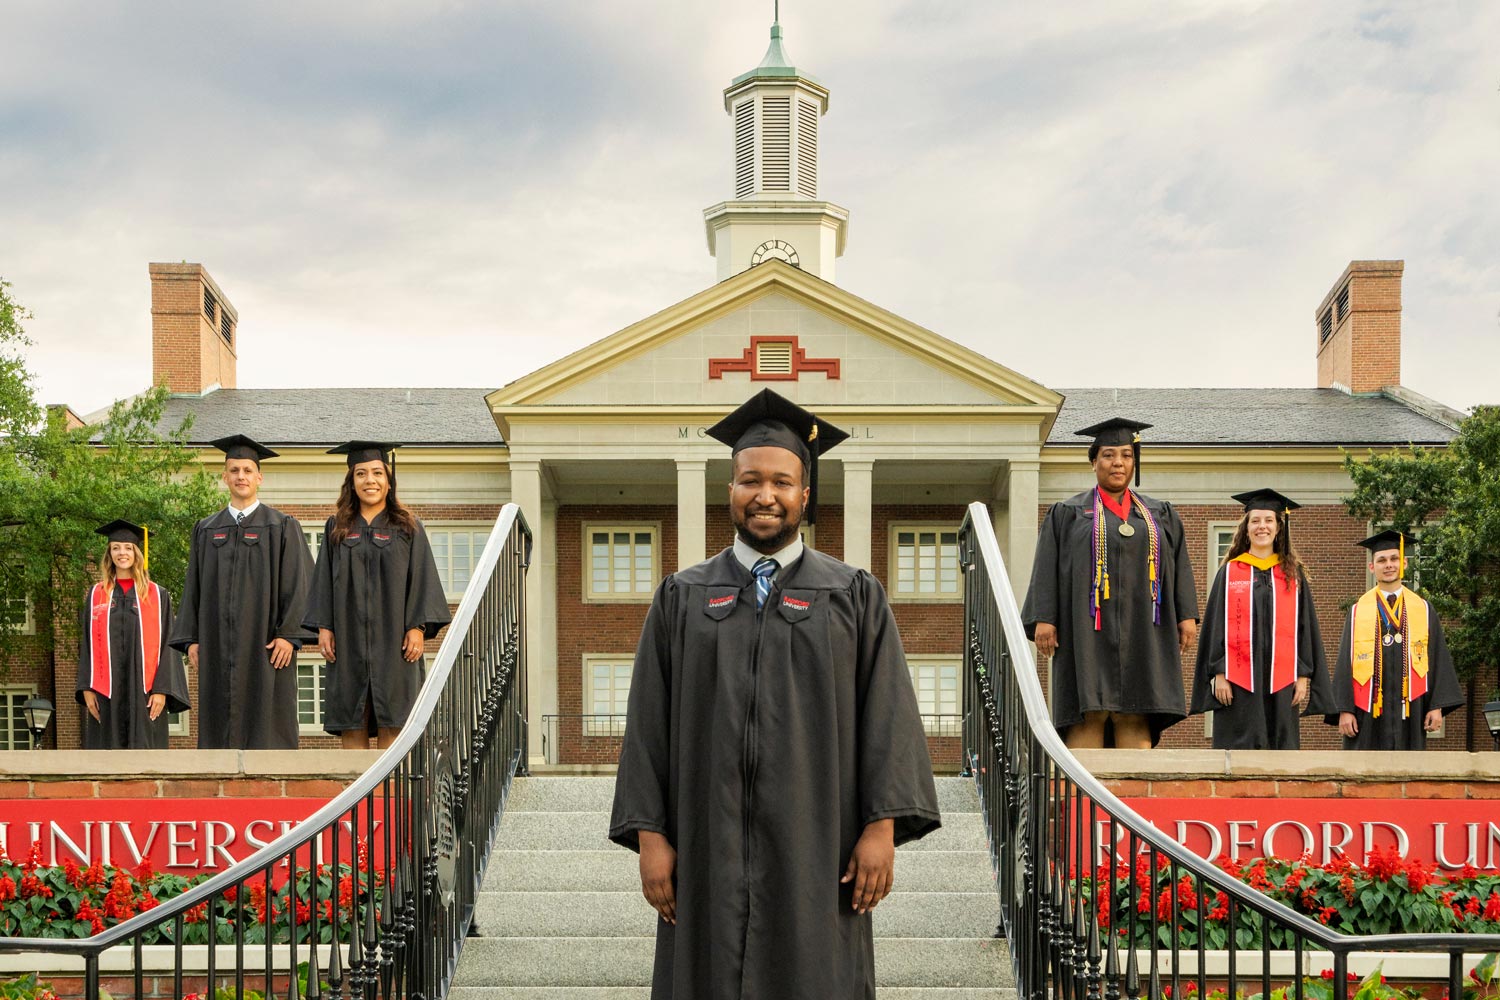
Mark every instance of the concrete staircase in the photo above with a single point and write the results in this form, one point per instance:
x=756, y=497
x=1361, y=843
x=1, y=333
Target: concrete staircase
x=561, y=913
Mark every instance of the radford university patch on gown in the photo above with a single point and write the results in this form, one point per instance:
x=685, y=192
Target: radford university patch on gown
x=761, y=745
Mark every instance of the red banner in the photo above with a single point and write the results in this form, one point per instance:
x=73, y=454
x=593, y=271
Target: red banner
x=1448, y=833
x=183, y=836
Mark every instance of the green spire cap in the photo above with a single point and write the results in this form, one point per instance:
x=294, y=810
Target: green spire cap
x=774, y=64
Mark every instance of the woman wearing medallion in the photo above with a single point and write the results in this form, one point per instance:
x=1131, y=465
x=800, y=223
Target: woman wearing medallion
x=1112, y=602
x=128, y=677
x=1260, y=655
x=376, y=599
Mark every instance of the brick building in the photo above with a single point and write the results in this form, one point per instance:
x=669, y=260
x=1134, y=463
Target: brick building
x=605, y=449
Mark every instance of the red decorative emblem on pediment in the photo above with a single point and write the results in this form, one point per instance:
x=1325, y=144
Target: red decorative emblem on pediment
x=773, y=359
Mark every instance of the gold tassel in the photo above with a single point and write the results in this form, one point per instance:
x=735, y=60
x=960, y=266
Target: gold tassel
x=145, y=548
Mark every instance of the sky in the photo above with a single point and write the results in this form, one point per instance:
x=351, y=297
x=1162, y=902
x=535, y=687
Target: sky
x=1124, y=192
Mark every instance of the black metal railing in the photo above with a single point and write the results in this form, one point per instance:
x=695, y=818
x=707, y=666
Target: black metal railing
x=1073, y=864
x=372, y=895
x=567, y=735
x=942, y=724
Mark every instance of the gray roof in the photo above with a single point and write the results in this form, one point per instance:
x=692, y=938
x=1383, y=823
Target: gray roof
x=1178, y=416
x=329, y=416
x=1254, y=416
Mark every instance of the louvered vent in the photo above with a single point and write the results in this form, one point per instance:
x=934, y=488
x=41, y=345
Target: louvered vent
x=1325, y=325
x=1343, y=303
x=226, y=328
x=773, y=358
x=807, y=149
x=776, y=144
x=744, y=149
x=210, y=305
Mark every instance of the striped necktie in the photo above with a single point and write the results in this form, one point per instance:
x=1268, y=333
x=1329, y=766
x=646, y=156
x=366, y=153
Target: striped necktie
x=763, y=569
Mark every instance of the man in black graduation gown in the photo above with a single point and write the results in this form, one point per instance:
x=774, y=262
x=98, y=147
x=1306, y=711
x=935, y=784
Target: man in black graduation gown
x=1112, y=602
x=1393, y=681
x=773, y=755
x=240, y=622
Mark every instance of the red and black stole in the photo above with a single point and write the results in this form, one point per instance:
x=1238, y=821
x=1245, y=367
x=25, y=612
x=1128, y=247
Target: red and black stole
x=148, y=601
x=1239, y=622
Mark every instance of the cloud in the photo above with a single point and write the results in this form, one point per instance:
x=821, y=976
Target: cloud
x=398, y=194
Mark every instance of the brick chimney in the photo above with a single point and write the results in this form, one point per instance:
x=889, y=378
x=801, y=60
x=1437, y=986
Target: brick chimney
x=1358, y=328
x=193, y=330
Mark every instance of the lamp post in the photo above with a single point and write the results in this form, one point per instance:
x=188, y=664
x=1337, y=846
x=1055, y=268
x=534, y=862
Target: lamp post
x=38, y=713
x=1492, y=719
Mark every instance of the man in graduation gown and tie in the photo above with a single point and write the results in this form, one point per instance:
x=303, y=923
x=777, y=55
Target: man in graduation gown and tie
x=240, y=622
x=1112, y=602
x=1393, y=681
x=773, y=756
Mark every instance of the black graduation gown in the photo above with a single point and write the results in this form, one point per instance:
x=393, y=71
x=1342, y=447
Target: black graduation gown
x=1260, y=721
x=1390, y=731
x=369, y=590
x=246, y=585
x=124, y=722
x=761, y=745
x=1130, y=666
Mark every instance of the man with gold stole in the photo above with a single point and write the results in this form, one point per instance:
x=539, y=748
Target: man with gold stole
x=1393, y=681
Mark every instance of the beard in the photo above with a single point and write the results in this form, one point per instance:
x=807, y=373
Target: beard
x=791, y=523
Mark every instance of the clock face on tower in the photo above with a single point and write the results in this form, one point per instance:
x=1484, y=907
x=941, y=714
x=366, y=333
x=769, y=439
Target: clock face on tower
x=775, y=250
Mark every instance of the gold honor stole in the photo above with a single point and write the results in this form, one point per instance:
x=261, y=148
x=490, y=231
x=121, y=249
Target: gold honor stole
x=1410, y=621
x=1239, y=623
x=100, y=678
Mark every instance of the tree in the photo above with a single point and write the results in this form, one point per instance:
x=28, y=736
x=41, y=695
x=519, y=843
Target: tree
x=58, y=484
x=1452, y=497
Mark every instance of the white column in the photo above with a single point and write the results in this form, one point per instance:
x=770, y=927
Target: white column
x=692, y=500
x=541, y=655
x=859, y=495
x=1024, y=494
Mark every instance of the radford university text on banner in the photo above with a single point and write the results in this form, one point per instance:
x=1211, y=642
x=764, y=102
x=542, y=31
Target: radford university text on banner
x=183, y=836
x=1449, y=833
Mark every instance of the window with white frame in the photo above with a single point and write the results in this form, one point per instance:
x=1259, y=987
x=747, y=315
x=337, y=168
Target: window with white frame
x=313, y=536
x=177, y=723
x=606, y=692
x=620, y=562
x=312, y=673
x=13, y=732
x=1220, y=536
x=456, y=549
x=16, y=615
x=924, y=563
x=807, y=533
x=935, y=679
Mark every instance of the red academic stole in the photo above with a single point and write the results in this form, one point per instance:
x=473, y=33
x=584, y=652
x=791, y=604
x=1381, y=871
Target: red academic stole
x=1239, y=622
x=150, y=610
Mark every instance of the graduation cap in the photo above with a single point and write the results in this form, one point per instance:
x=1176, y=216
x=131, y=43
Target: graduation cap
x=123, y=531
x=240, y=446
x=1116, y=431
x=1387, y=539
x=356, y=452
x=1266, y=499
x=770, y=420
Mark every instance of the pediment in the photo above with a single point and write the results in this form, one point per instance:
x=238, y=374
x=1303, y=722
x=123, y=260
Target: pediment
x=775, y=326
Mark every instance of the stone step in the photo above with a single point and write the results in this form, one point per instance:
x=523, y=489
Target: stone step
x=587, y=831
x=644, y=993
x=618, y=870
x=552, y=793
x=626, y=914
x=626, y=961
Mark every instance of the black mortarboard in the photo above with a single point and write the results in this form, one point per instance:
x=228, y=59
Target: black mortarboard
x=240, y=446
x=356, y=452
x=123, y=531
x=768, y=419
x=1265, y=499
x=1390, y=538
x=1116, y=430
